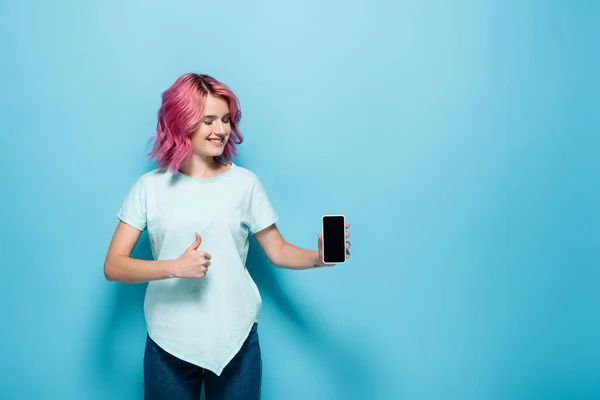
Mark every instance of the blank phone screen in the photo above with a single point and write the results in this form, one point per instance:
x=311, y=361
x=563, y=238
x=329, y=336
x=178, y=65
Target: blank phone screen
x=334, y=239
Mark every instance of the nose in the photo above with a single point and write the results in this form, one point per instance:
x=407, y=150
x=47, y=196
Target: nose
x=219, y=128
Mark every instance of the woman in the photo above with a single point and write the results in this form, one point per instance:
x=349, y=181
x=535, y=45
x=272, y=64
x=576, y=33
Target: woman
x=201, y=305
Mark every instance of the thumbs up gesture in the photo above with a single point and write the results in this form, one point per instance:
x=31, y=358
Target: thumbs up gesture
x=193, y=264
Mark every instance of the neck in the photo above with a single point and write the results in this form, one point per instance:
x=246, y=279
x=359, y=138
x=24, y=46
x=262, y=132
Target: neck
x=202, y=167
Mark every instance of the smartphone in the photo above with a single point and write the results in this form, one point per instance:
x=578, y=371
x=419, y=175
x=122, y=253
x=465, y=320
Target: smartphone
x=334, y=239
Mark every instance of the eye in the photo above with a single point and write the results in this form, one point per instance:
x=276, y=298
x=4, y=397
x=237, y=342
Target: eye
x=226, y=120
x=208, y=121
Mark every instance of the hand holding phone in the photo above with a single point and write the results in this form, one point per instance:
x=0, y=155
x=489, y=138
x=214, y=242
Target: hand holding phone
x=333, y=247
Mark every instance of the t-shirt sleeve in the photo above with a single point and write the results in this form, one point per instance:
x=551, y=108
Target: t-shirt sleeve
x=262, y=214
x=133, y=209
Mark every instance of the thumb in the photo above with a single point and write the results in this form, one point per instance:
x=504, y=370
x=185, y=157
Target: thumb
x=196, y=243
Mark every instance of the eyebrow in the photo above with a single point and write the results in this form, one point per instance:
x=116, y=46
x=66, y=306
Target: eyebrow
x=215, y=117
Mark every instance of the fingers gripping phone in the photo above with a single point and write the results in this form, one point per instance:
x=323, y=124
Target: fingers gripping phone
x=334, y=239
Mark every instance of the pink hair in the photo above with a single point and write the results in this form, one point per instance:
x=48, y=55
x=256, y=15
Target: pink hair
x=180, y=116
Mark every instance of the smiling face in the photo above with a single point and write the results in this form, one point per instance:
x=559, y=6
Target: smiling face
x=214, y=130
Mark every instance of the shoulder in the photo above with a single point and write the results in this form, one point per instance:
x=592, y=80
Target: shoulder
x=248, y=179
x=155, y=176
x=246, y=175
x=152, y=179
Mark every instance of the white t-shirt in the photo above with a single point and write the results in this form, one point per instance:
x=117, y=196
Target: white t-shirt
x=202, y=321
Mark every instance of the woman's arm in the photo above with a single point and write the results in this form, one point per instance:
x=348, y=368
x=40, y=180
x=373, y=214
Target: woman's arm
x=285, y=255
x=120, y=267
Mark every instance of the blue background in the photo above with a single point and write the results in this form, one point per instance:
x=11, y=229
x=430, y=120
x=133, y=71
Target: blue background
x=459, y=138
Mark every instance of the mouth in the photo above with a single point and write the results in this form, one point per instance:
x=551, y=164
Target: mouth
x=216, y=141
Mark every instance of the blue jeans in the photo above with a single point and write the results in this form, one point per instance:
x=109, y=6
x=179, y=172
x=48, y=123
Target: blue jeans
x=168, y=377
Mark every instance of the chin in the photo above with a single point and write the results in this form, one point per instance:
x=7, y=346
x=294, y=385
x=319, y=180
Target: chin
x=214, y=152
x=210, y=150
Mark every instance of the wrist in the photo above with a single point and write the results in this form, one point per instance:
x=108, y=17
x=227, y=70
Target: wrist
x=317, y=262
x=171, y=268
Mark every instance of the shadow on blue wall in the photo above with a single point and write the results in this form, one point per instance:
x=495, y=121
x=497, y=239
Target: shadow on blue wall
x=120, y=339
x=351, y=372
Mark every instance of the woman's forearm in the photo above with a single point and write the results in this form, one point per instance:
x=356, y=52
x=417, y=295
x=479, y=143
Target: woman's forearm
x=292, y=257
x=130, y=270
